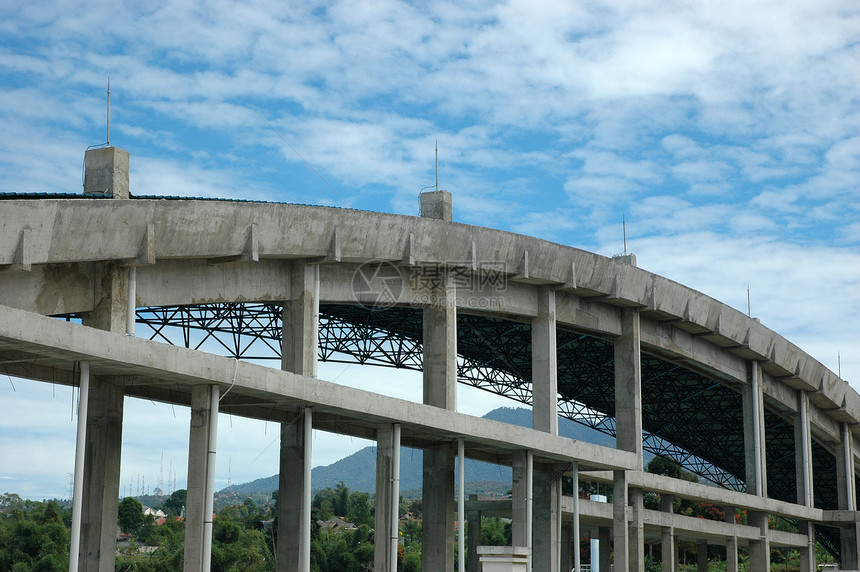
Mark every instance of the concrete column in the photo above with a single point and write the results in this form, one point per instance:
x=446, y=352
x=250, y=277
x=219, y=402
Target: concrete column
x=636, y=535
x=605, y=537
x=620, y=531
x=807, y=553
x=545, y=528
x=198, y=479
x=103, y=452
x=668, y=557
x=571, y=538
x=545, y=364
x=628, y=385
x=292, y=534
x=803, y=451
x=702, y=556
x=473, y=537
x=754, y=435
x=440, y=390
x=106, y=172
x=759, y=549
x=847, y=498
x=101, y=475
x=385, y=500
x=731, y=543
x=567, y=548
x=299, y=340
x=438, y=509
x=520, y=494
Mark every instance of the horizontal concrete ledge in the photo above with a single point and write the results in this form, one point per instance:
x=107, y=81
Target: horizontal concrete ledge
x=27, y=337
x=698, y=492
x=147, y=232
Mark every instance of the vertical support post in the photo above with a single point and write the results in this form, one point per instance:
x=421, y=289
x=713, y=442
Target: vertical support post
x=759, y=549
x=519, y=498
x=546, y=535
x=198, y=521
x=731, y=543
x=847, y=498
x=667, y=537
x=131, y=310
x=702, y=556
x=577, y=563
x=545, y=364
x=530, y=513
x=754, y=437
x=440, y=390
x=300, y=339
x=80, y=446
x=605, y=549
x=461, y=504
x=103, y=452
x=803, y=471
x=628, y=385
x=209, y=493
x=637, y=535
x=620, y=540
x=474, y=534
x=395, y=495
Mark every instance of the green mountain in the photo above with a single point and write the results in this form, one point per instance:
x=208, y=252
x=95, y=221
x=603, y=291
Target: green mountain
x=358, y=471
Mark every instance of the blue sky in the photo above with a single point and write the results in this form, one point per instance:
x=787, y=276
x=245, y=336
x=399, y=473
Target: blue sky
x=727, y=134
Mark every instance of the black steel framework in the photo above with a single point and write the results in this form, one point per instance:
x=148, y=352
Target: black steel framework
x=687, y=417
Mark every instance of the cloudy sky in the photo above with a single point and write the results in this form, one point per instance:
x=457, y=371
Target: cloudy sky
x=727, y=134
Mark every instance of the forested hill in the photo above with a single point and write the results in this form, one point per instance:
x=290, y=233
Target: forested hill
x=358, y=471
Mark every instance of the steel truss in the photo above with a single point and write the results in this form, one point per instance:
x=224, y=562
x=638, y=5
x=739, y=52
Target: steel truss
x=686, y=416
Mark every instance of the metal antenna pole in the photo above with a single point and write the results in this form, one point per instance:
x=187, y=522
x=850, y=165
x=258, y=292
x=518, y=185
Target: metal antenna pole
x=108, y=113
x=624, y=232
x=749, y=307
x=437, y=165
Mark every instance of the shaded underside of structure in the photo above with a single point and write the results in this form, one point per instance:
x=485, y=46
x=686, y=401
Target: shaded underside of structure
x=688, y=417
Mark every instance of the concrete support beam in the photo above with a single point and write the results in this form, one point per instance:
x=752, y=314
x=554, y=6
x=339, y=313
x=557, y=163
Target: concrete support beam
x=298, y=355
x=473, y=538
x=847, y=498
x=438, y=509
x=668, y=557
x=754, y=436
x=628, y=386
x=546, y=520
x=293, y=531
x=440, y=350
x=803, y=451
x=620, y=531
x=387, y=500
x=605, y=538
x=521, y=492
x=568, y=543
x=702, y=556
x=196, y=515
x=545, y=364
x=103, y=453
x=101, y=475
x=731, y=543
x=636, y=536
x=759, y=549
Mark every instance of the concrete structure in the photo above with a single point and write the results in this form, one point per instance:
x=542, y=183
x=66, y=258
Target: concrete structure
x=103, y=259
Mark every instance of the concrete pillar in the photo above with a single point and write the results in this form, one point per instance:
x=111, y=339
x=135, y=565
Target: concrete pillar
x=438, y=205
x=754, y=435
x=847, y=498
x=807, y=553
x=545, y=528
x=759, y=549
x=106, y=172
x=438, y=509
x=298, y=355
x=668, y=557
x=385, y=501
x=440, y=390
x=473, y=537
x=803, y=451
x=731, y=543
x=636, y=535
x=702, y=556
x=198, y=478
x=620, y=531
x=103, y=446
x=628, y=385
x=545, y=364
x=569, y=543
x=605, y=537
x=520, y=493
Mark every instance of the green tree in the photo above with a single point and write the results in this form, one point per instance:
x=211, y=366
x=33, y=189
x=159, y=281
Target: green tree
x=130, y=515
x=174, y=505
